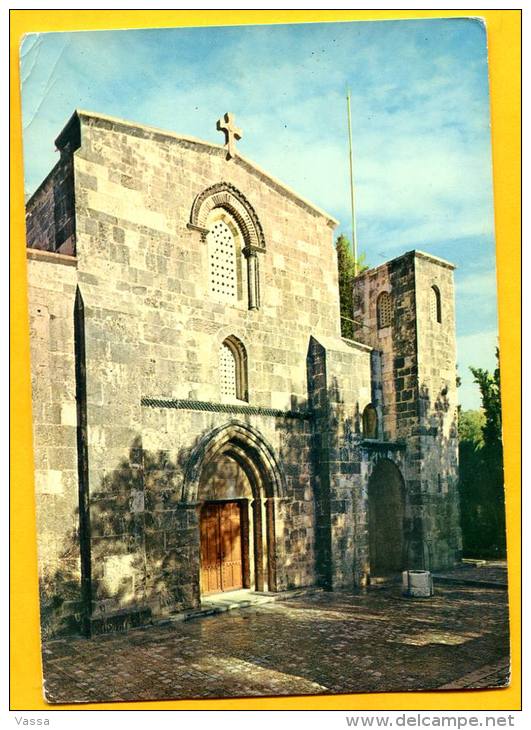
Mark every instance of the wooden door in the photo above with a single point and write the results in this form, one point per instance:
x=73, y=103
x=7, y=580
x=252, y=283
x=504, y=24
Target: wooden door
x=210, y=553
x=221, y=547
x=231, y=546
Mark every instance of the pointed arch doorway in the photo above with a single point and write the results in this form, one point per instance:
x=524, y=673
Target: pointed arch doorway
x=234, y=479
x=386, y=519
x=225, y=529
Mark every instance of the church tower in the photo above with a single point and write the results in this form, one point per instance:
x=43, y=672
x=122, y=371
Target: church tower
x=404, y=309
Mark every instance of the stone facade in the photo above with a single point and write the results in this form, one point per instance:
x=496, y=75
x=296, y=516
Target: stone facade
x=416, y=367
x=159, y=267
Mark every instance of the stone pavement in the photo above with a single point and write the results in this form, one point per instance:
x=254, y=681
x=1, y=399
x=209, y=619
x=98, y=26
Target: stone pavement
x=481, y=573
x=311, y=644
x=491, y=675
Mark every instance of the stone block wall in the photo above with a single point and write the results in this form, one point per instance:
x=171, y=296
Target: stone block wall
x=115, y=468
x=134, y=194
x=145, y=538
x=50, y=214
x=397, y=343
x=339, y=384
x=419, y=393
x=151, y=330
x=438, y=407
x=51, y=310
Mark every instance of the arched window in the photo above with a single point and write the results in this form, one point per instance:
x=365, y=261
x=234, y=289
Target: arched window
x=224, y=257
x=435, y=304
x=370, y=422
x=233, y=370
x=229, y=224
x=384, y=310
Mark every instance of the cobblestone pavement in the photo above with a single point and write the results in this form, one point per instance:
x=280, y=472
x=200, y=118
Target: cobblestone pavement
x=318, y=643
x=482, y=572
x=492, y=675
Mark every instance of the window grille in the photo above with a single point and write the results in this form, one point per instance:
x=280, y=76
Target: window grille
x=233, y=370
x=384, y=310
x=222, y=262
x=227, y=372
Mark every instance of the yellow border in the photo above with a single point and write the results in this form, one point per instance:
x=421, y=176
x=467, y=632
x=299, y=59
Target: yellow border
x=504, y=45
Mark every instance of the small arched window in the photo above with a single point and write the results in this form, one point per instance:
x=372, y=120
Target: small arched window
x=435, y=304
x=384, y=310
x=370, y=422
x=233, y=370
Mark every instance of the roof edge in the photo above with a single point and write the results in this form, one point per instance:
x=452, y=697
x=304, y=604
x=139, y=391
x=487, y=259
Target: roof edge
x=152, y=131
x=414, y=253
x=434, y=259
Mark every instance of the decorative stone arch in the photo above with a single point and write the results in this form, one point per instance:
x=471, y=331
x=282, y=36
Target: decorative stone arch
x=248, y=448
x=250, y=442
x=418, y=547
x=387, y=452
x=225, y=196
x=386, y=507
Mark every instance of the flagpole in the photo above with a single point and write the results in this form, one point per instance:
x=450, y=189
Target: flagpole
x=352, y=205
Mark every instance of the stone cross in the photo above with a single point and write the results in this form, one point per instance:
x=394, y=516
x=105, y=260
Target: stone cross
x=232, y=133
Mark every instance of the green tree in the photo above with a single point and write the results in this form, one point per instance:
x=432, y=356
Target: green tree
x=489, y=387
x=470, y=426
x=346, y=268
x=476, y=535
x=481, y=471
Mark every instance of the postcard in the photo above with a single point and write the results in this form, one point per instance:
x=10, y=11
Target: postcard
x=264, y=360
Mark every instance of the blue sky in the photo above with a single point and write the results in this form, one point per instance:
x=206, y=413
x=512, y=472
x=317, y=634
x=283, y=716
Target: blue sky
x=420, y=115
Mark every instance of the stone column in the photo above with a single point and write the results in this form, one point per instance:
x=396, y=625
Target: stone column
x=271, y=549
x=258, y=545
x=253, y=279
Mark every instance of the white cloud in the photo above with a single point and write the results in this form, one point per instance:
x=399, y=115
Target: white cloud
x=420, y=121
x=419, y=112
x=482, y=284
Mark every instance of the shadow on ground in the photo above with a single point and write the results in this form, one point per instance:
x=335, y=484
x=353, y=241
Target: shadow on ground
x=321, y=643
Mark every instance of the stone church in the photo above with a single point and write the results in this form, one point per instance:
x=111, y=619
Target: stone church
x=200, y=425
